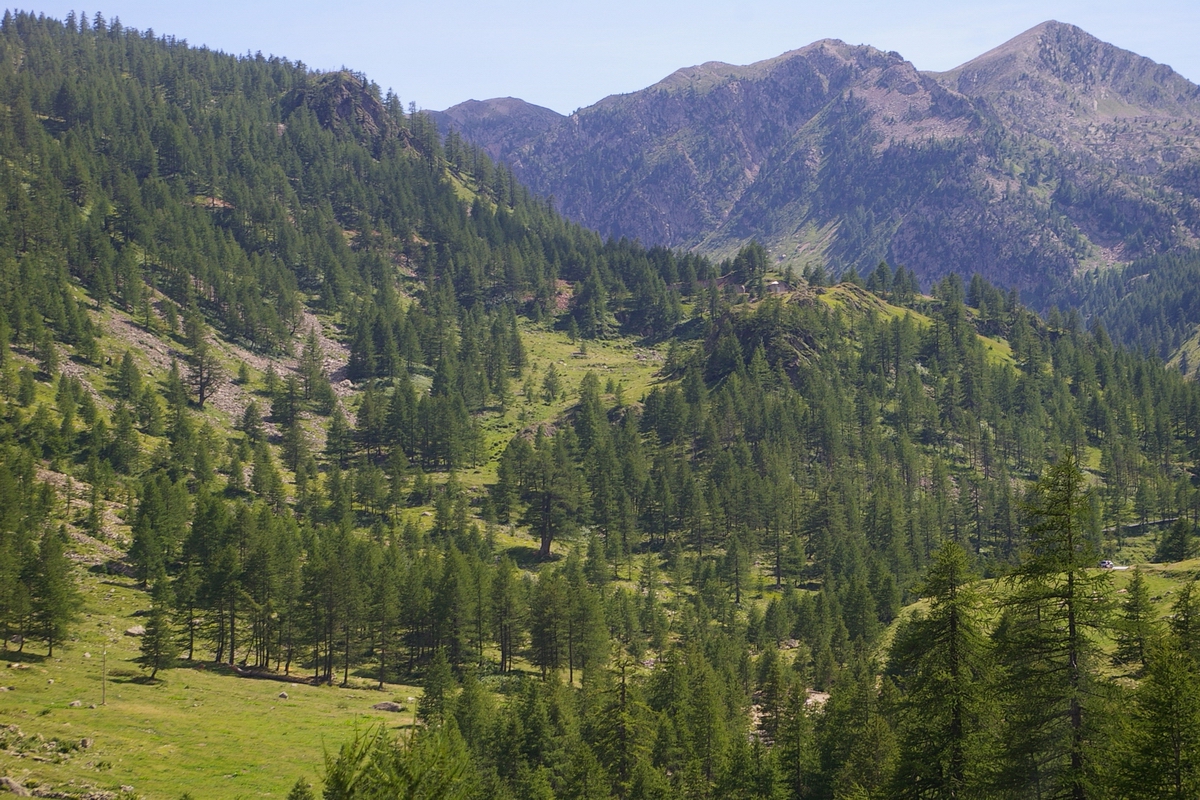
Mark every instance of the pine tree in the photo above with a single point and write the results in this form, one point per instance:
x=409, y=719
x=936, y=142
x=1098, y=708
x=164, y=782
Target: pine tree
x=548, y=616
x=1137, y=627
x=436, y=701
x=301, y=790
x=129, y=379
x=159, y=648
x=506, y=605
x=1184, y=620
x=1177, y=544
x=205, y=372
x=312, y=364
x=553, y=491
x=55, y=597
x=939, y=662
x=551, y=385
x=1160, y=757
x=429, y=764
x=1046, y=641
x=474, y=711
x=854, y=738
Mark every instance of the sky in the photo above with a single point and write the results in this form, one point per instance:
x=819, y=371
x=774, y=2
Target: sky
x=568, y=55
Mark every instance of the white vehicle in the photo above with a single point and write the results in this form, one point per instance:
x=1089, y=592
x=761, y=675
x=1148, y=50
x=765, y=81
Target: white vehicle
x=1106, y=564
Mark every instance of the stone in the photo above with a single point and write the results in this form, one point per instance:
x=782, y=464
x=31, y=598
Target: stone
x=388, y=705
x=76, y=704
x=136, y=630
x=14, y=787
x=283, y=695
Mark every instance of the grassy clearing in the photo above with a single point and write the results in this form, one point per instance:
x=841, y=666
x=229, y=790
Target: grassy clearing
x=198, y=730
x=998, y=351
x=634, y=367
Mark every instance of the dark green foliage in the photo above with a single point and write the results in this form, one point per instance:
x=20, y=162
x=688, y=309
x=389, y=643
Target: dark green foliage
x=940, y=663
x=1159, y=759
x=301, y=790
x=437, y=700
x=1177, y=542
x=430, y=765
x=55, y=599
x=159, y=648
x=1048, y=643
x=1148, y=306
x=1137, y=628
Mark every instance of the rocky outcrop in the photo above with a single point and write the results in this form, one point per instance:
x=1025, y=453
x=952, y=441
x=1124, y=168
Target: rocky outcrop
x=345, y=103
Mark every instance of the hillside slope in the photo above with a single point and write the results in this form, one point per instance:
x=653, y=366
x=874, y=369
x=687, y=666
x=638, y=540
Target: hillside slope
x=293, y=393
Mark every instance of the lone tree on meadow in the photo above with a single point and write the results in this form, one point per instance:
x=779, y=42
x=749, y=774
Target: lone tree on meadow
x=159, y=647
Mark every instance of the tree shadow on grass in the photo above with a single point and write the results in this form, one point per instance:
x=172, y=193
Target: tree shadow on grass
x=527, y=557
x=143, y=680
x=14, y=657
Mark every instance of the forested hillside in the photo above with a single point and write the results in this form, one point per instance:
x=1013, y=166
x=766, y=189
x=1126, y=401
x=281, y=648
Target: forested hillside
x=340, y=403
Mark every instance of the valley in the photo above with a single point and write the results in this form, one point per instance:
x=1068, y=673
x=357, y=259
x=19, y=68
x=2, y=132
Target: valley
x=307, y=406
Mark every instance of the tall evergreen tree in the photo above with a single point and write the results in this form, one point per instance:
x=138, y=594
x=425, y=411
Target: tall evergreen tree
x=56, y=599
x=1047, y=642
x=159, y=647
x=1137, y=625
x=940, y=663
x=1161, y=756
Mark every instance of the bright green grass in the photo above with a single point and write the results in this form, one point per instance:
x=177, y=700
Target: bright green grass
x=197, y=730
x=998, y=351
x=634, y=367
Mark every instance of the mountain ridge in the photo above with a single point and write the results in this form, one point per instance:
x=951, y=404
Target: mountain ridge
x=1049, y=155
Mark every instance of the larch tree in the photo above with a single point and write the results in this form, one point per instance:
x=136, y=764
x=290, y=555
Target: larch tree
x=55, y=598
x=159, y=647
x=940, y=662
x=205, y=372
x=1137, y=626
x=1160, y=757
x=1047, y=642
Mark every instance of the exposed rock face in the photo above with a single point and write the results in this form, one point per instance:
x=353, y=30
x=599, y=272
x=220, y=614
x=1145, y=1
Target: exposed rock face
x=343, y=102
x=1051, y=153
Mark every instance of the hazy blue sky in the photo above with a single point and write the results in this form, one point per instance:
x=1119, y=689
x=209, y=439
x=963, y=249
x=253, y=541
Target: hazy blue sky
x=566, y=55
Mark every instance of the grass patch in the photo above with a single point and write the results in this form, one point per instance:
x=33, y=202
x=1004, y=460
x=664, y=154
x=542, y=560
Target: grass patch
x=197, y=730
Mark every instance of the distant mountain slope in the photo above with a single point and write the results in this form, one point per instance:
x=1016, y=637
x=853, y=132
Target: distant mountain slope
x=1051, y=153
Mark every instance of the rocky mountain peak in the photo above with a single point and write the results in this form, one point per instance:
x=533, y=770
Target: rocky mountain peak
x=1059, y=64
x=500, y=125
x=1049, y=154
